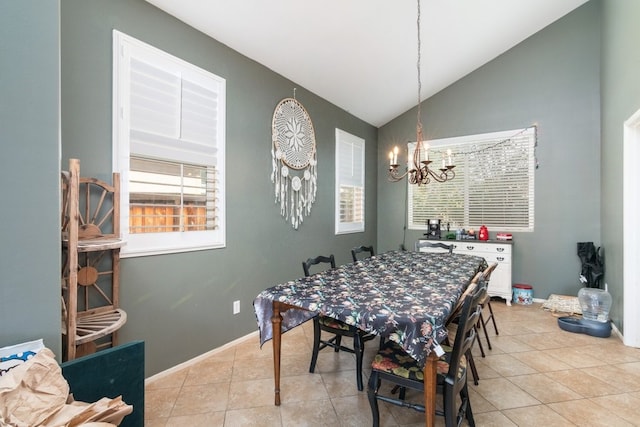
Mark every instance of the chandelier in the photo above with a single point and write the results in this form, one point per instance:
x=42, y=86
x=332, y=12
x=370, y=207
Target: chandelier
x=419, y=171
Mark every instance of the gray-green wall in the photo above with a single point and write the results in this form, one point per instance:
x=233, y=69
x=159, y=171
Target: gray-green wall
x=551, y=80
x=29, y=172
x=181, y=304
x=620, y=99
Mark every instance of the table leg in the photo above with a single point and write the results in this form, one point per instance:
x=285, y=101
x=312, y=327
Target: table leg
x=430, y=380
x=276, y=322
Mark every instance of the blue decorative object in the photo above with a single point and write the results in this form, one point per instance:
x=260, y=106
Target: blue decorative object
x=17, y=354
x=584, y=326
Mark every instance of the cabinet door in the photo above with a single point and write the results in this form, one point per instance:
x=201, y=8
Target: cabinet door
x=500, y=283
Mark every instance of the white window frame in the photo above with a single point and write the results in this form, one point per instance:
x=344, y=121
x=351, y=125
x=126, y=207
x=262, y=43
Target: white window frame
x=453, y=199
x=126, y=48
x=350, y=172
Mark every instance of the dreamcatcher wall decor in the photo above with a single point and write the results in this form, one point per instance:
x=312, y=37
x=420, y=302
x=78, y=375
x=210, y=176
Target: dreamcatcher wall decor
x=294, y=161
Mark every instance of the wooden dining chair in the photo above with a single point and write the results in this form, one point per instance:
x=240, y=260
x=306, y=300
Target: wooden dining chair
x=335, y=327
x=393, y=364
x=454, y=317
x=361, y=249
x=483, y=278
x=426, y=244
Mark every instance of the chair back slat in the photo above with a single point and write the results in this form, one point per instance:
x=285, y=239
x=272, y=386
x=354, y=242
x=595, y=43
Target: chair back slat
x=321, y=259
x=486, y=274
x=361, y=249
x=426, y=244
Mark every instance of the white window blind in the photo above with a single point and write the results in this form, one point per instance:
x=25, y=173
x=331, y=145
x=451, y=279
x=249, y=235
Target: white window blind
x=493, y=186
x=171, y=115
x=349, y=183
x=169, y=149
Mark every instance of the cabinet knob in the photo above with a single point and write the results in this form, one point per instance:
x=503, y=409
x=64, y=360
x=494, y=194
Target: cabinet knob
x=500, y=258
x=500, y=249
x=470, y=248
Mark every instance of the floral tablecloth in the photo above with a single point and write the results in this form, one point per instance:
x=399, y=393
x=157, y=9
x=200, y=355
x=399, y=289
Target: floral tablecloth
x=405, y=296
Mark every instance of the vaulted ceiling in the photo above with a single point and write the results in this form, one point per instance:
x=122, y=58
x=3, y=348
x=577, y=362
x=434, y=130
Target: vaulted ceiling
x=361, y=55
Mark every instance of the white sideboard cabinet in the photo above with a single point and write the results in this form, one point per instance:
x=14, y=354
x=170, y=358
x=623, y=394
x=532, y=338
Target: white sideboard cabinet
x=500, y=252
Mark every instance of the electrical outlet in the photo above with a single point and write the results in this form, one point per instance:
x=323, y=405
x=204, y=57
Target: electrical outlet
x=236, y=307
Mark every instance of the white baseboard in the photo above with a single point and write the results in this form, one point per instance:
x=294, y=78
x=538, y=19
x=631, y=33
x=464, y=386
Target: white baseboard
x=616, y=331
x=199, y=358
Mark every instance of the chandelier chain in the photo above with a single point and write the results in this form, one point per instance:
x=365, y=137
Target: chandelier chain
x=419, y=123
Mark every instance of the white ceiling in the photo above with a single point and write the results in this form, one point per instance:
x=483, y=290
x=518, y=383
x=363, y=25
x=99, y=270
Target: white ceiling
x=361, y=55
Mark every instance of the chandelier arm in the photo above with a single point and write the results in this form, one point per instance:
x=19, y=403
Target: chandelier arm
x=444, y=174
x=394, y=176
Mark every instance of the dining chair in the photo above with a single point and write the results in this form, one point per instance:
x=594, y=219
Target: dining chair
x=426, y=244
x=486, y=302
x=336, y=327
x=454, y=318
x=393, y=364
x=361, y=249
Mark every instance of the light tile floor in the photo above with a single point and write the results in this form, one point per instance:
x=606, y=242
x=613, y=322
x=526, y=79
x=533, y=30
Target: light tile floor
x=535, y=375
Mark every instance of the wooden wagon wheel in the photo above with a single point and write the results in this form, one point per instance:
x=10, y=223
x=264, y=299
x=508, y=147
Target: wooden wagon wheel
x=98, y=209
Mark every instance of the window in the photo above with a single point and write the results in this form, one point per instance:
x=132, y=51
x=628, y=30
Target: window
x=493, y=186
x=349, y=183
x=169, y=144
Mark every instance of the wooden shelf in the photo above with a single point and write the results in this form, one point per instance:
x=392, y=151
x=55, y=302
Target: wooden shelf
x=90, y=236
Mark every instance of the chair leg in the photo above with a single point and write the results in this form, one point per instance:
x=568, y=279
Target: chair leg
x=358, y=347
x=316, y=344
x=472, y=366
x=468, y=413
x=338, y=341
x=493, y=319
x=477, y=338
x=483, y=324
x=373, y=401
x=449, y=403
x=403, y=391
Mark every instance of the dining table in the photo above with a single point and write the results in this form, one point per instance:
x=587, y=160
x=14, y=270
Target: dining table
x=404, y=296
